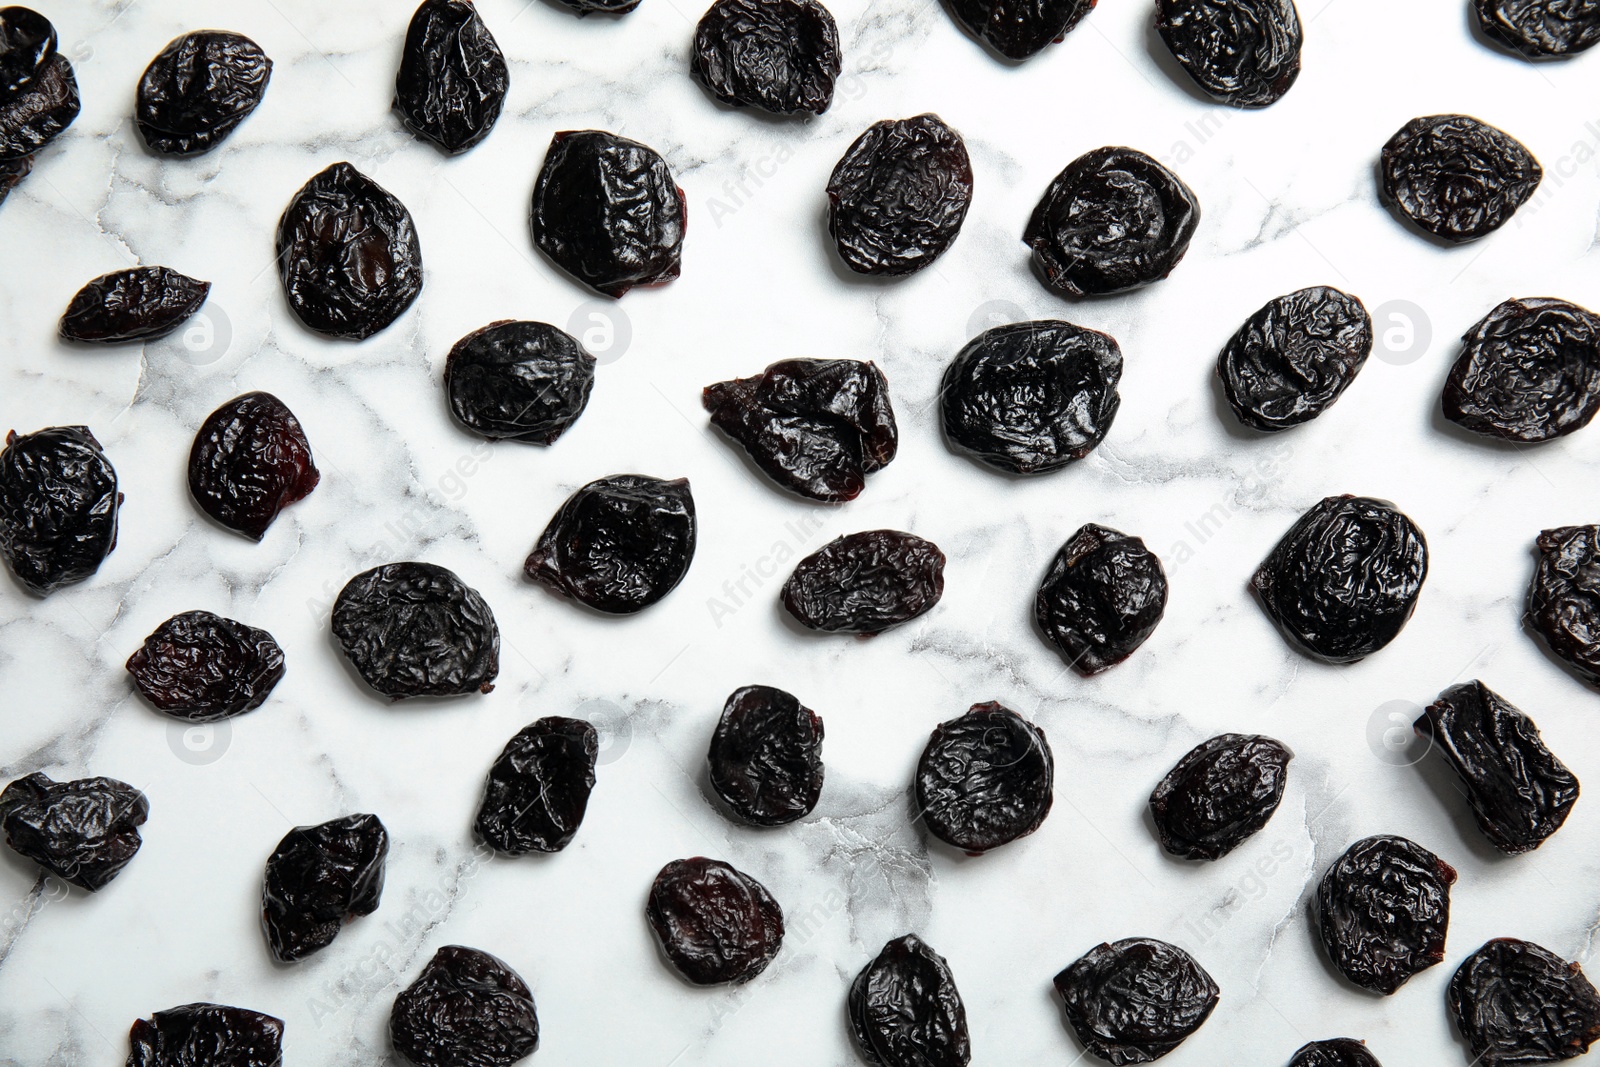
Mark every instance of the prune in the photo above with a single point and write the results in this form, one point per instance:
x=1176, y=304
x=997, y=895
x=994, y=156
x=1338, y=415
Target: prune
x=1517, y=1003
x=607, y=211
x=1541, y=28
x=414, y=629
x=1384, y=910
x=12, y=171
x=198, y=90
x=466, y=1009
x=898, y=196
x=619, y=544
x=1018, y=29
x=348, y=255
x=249, y=461
x=1564, y=600
x=526, y=381
x=38, y=91
x=777, y=55
x=1528, y=371
x=1295, y=357
x=1102, y=599
x=864, y=583
x=206, y=1035
x=1219, y=795
x=766, y=756
x=317, y=879
x=1112, y=221
x=985, y=778
x=202, y=667
x=453, y=77
x=1344, y=580
x=84, y=832
x=1455, y=177
x=538, y=788
x=818, y=427
x=905, y=1010
x=138, y=304
x=605, y=7
x=1334, y=1052
x=1135, y=1000
x=715, y=924
x=27, y=41
x=1245, y=54
x=58, y=506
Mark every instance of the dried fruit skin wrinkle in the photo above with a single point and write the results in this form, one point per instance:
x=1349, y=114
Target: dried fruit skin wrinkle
x=538, y=789
x=58, y=507
x=198, y=90
x=249, y=461
x=1294, y=358
x=1019, y=29
x=139, y=304
x=466, y=1009
x=416, y=629
x=1541, y=29
x=715, y=924
x=780, y=56
x=1529, y=371
x=523, y=381
x=1244, y=53
x=766, y=756
x=1519, y=1003
x=1219, y=795
x=201, y=667
x=318, y=878
x=1455, y=177
x=1383, y=909
x=905, y=1010
x=84, y=831
x=1334, y=1052
x=38, y=91
x=1135, y=1000
x=206, y=1035
x=865, y=583
x=1564, y=600
x=1103, y=597
x=453, y=78
x=985, y=778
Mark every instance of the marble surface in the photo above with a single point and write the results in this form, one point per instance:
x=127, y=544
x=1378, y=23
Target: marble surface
x=1289, y=200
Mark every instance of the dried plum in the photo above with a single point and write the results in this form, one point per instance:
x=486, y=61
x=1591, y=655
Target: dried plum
x=1219, y=795
x=415, y=629
x=1112, y=221
x=864, y=583
x=1517, y=1003
x=1528, y=371
x=1541, y=29
x=1018, y=29
x=84, y=832
x=1135, y=1000
x=348, y=255
x=715, y=924
x=139, y=304
x=318, y=878
x=27, y=41
x=38, y=91
x=1455, y=177
x=206, y=1035
x=249, y=461
x=898, y=196
x=608, y=212
x=818, y=427
x=985, y=778
x=538, y=788
x=905, y=1010
x=780, y=56
x=1295, y=357
x=466, y=1009
x=453, y=77
x=766, y=756
x=12, y=171
x=604, y=7
x=1384, y=910
x=198, y=90
x=1564, y=600
x=202, y=667
x=527, y=381
x=1102, y=599
x=1335, y=1052
x=58, y=506
x=1245, y=53
x=618, y=544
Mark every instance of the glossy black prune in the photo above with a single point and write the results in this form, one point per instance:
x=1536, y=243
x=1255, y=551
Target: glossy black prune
x=318, y=878
x=780, y=56
x=12, y=171
x=1383, y=909
x=618, y=544
x=905, y=1010
x=415, y=629
x=38, y=91
x=1135, y=1000
x=1519, y=1003
x=538, y=788
x=1541, y=29
x=1245, y=53
x=985, y=779
x=1528, y=371
x=453, y=78
x=58, y=506
x=84, y=832
x=198, y=90
x=526, y=381
x=898, y=196
x=1456, y=177
x=766, y=756
x=1295, y=357
x=1103, y=597
x=1113, y=220
x=138, y=304
x=206, y=1035
x=1018, y=29
x=1219, y=795
x=466, y=1009
x=818, y=427
x=348, y=255
x=1334, y=1052
x=715, y=924
x=27, y=41
x=249, y=461
x=202, y=667
x=864, y=583
x=604, y=7
x=1564, y=600
x=608, y=212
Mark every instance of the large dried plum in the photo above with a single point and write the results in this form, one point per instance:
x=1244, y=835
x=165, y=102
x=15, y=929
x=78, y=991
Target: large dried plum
x=715, y=924
x=864, y=583
x=453, y=78
x=1135, y=1000
x=415, y=629
x=538, y=789
x=1018, y=29
x=1455, y=177
x=202, y=667
x=905, y=1010
x=1219, y=795
x=206, y=1035
x=1102, y=599
x=1518, y=1003
x=198, y=90
x=58, y=506
x=1528, y=371
x=1541, y=29
x=84, y=832
x=1245, y=53
x=766, y=756
x=318, y=878
x=527, y=381
x=780, y=56
x=985, y=778
x=1292, y=359
x=466, y=1009
x=1334, y=1052
x=249, y=461
x=38, y=91
x=1383, y=909
x=138, y=304
x=1564, y=600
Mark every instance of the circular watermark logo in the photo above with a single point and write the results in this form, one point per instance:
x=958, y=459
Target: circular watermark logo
x=992, y=313
x=603, y=328
x=1391, y=737
x=199, y=744
x=611, y=722
x=1401, y=331
x=204, y=338
x=81, y=52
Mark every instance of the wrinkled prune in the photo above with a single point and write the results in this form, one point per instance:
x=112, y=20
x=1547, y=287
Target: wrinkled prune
x=618, y=544
x=206, y=1035
x=985, y=778
x=527, y=381
x=58, y=506
x=1541, y=28
x=38, y=91
x=27, y=41
x=83, y=832
x=1344, y=580
x=1113, y=220
x=607, y=211
x=466, y=1009
x=605, y=7
x=1245, y=53
x=538, y=788
x=1102, y=599
x=12, y=171
x=1334, y=1052
x=898, y=196
x=249, y=461
x=777, y=55
x=766, y=756
x=1518, y=1003
x=1018, y=29
x=202, y=667
x=1135, y=1000
x=318, y=878
x=1292, y=359
x=905, y=1010
x=1220, y=794
x=1528, y=371
x=817, y=426
x=453, y=77
x=1384, y=909
x=1455, y=177
x=198, y=90
x=348, y=255
x=1564, y=600
x=864, y=583
x=139, y=304
x=715, y=924
x=1519, y=792
x=414, y=629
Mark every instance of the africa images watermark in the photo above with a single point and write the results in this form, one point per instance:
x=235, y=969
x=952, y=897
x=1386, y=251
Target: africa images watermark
x=755, y=574
x=1202, y=528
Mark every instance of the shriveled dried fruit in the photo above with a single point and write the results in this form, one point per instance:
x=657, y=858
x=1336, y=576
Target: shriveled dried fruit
x=766, y=756
x=985, y=778
x=1456, y=177
x=58, y=506
x=1518, y=1003
x=415, y=629
x=1528, y=371
x=864, y=583
x=453, y=77
x=780, y=56
x=1334, y=1052
x=12, y=171
x=604, y=7
x=905, y=1010
x=1018, y=29
x=1292, y=359
x=1102, y=599
x=1564, y=600
x=318, y=878
x=27, y=41
x=538, y=788
x=1219, y=795
x=1541, y=29
x=249, y=461
x=527, y=381
x=1135, y=1000
x=715, y=924
x=83, y=832
x=138, y=304
x=1245, y=53
x=206, y=1035
x=202, y=667
x=466, y=1009
x=198, y=90
x=38, y=91
x=1384, y=910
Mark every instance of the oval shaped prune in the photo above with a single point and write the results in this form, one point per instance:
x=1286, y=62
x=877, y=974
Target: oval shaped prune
x=766, y=756
x=83, y=832
x=38, y=91
x=1219, y=795
x=1102, y=599
x=466, y=1009
x=202, y=667
x=1541, y=29
x=453, y=78
x=198, y=90
x=1112, y=221
x=1517, y=1003
x=139, y=304
x=538, y=788
x=414, y=629
x=1334, y=1052
x=715, y=924
x=898, y=196
x=1564, y=600
x=1018, y=29
x=203, y=1035
x=58, y=506
x=1245, y=54
x=249, y=461
x=864, y=583
x=1528, y=371
x=1383, y=910
x=1295, y=357
x=1135, y=1000
x=526, y=381
x=780, y=56
x=985, y=779
x=1455, y=177
x=319, y=878
x=905, y=1010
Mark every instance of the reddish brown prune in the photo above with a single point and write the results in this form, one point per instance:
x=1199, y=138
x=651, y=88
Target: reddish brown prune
x=466, y=1009
x=905, y=1010
x=318, y=878
x=1018, y=29
x=526, y=381
x=83, y=832
x=864, y=583
x=1334, y=1052
x=985, y=779
x=249, y=461
x=1528, y=371
x=715, y=924
x=818, y=427
x=453, y=78
x=1541, y=29
x=766, y=756
x=1564, y=600
x=206, y=1035
x=1455, y=177
x=1295, y=357
x=58, y=506
x=781, y=56
x=1135, y=1000
x=38, y=91
x=1518, y=1003
x=1219, y=795
x=1245, y=53
x=538, y=789
x=198, y=90
x=12, y=171
x=1383, y=909
x=139, y=304
x=415, y=629
x=1102, y=599
x=202, y=667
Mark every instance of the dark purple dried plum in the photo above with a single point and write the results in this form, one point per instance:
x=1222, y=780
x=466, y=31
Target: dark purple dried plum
x=1112, y=221
x=1335, y=1052
x=1528, y=371
x=898, y=196
x=198, y=90
x=1102, y=599
x=1135, y=1000
x=84, y=832
x=249, y=461
x=58, y=506
x=780, y=56
x=1295, y=357
x=202, y=667
x=12, y=171
x=985, y=779
x=1517, y=1003
x=1564, y=600
x=1018, y=29
x=538, y=788
x=1455, y=177
x=766, y=756
x=318, y=878
x=818, y=427
x=38, y=91
x=206, y=1035
x=864, y=583
x=1245, y=53
x=1384, y=909
x=604, y=7
x=1541, y=29
x=27, y=41
x=453, y=77
x=138, y=304
x=1219, y=795
x=905, y=1010
x=715, y=924
x=466, y=1009
x=618, y=544
x=527, y=381
x=348, y=255
x=414, y=629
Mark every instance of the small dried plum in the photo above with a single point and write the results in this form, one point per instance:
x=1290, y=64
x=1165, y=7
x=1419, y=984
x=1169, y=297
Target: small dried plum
x=1384, y=909
x=84, y=832
x=1528, y=371
x=466, y=1009
x=202, y=667
x=38, y=91
x=138, y=304
x=1245, y=53
x=414, y=629
x=198, y=90
x=1102, y=599
x=58, y=506
x=604, y=7
x=206, y=1035
x=1219, y=795
x=249, y=461
x=1135, y=1000
x=985, y=778
x=864, y=583
x=1455, y=177
x=527, y=381
x=318, y=878
x=766, y=756
x=905, y=1010
x=1335, y=1052
x=1541, y=29
x=1018, y=29
x=1564, y=600
x=27, y=41
x=538, y=788
x=12, y=171
x=453, y=77
x=715, y=924
x=1517, y=1003
x=780, y=56
x=1295, y=357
